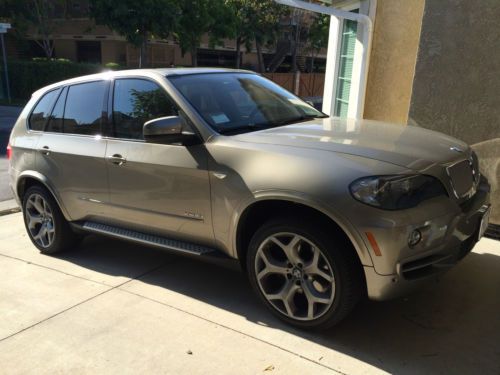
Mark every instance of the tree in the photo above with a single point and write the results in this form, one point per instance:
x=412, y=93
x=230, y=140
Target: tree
x=199, y=17
x=137, y=21
x=257, y=21
x=35, y=16
x=317, y=37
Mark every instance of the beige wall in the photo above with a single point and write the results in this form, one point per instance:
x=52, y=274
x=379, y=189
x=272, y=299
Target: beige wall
x=457, y=83
x=392, y=65
x=113, y=51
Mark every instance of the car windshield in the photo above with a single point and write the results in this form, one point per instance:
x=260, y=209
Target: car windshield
x=233, y=103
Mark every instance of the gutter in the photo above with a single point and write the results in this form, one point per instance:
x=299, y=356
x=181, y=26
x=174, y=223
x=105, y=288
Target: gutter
x=366, y=40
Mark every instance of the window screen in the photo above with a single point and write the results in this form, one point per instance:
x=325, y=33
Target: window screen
x=346, y=63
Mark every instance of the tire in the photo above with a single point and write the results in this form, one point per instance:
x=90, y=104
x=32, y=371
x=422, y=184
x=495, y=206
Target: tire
x=40, y=210
x=323, y=268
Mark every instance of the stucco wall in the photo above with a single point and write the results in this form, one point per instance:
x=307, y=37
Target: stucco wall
x=392, y=65
x=113, y=51
x=457, y=82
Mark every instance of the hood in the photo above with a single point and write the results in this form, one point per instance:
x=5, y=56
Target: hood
x=406, y=146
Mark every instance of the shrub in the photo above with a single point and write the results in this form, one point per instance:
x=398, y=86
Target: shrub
x=27, y=76
x=113, y=66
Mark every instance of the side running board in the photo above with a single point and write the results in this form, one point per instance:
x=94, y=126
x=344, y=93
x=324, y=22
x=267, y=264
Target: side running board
x=149, y=239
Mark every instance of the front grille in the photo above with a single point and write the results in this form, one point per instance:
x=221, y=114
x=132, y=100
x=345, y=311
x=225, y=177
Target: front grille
x=462, y=176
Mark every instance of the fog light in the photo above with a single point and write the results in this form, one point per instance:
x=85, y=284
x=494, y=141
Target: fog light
x=414, y=238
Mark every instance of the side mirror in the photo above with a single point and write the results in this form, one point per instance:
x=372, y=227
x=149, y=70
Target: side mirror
x=169, y=130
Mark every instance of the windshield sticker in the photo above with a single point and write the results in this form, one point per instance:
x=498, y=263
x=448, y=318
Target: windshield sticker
x=219, y=118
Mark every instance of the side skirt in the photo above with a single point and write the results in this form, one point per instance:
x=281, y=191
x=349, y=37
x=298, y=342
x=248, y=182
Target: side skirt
x=171, y=245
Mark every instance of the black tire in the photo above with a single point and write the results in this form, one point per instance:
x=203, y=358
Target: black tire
x=63, y=238
x=341, y=256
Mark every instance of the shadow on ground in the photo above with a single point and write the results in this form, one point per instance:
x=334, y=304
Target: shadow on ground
x=448, y=327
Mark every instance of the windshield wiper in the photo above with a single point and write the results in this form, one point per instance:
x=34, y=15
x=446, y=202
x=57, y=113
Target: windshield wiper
x=268, y=125
x=241, y=129
x=294, y=120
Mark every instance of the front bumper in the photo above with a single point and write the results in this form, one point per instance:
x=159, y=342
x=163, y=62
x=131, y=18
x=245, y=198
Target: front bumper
x=447, y=240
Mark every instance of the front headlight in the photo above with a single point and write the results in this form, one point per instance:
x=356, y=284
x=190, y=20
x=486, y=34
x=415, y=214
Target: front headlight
x=396, y=192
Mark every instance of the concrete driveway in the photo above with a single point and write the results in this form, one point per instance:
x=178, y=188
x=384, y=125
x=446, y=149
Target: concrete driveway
x=113, y=307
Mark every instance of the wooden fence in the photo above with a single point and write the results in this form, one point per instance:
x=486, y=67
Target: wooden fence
x=309, y=84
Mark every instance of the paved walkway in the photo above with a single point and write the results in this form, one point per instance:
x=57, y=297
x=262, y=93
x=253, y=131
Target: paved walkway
x=8, y=116
x=113, y=307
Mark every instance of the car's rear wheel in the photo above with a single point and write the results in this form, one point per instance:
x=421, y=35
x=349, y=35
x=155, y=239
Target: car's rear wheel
x=46, y=226
x=304, y=276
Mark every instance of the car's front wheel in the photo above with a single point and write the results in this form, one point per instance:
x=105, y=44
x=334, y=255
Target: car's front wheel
x=46, y=226
x=305, y=276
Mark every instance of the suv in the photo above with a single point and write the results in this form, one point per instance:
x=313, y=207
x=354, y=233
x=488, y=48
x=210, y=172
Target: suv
x=318, y=211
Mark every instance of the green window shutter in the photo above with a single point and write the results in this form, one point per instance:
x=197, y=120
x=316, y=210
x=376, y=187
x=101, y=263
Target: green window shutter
x=346, y=62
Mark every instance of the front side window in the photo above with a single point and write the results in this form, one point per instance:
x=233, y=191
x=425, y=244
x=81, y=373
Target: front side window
x=84, y=108
x=233, y=103
x=41, y=113
x=136, y=101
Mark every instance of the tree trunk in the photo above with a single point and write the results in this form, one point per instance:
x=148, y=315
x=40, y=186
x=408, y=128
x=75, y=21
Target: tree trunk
x=194, y=57
x=143, y=58
x=47, y=46
x=312, y=61
x=238, y=52
x=42, y=27
x=260, y=58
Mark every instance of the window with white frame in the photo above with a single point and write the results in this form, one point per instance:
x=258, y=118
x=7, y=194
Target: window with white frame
x=345, y=54
x=346, y=58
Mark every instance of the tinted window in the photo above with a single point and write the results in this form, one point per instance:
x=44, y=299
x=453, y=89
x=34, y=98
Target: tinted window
x=42, y=110
x=136, y=101
x=84, y=106
x=56, y=118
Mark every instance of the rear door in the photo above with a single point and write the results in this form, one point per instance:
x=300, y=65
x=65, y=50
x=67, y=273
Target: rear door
x=71, y=149
x=155, y=187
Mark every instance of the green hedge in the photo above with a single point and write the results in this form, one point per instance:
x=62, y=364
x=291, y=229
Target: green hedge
x=27, y=76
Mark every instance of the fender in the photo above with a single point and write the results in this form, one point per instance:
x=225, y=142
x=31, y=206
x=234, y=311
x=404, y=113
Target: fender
x=303, y=199
x=45, y=182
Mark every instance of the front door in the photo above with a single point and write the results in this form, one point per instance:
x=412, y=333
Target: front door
x=155, y=187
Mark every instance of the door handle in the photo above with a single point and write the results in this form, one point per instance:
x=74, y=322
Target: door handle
x=117, y=159
x=44, y=150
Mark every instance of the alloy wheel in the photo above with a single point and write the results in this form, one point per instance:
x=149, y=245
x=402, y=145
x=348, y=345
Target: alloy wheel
x=295, y=277
x=40, y=220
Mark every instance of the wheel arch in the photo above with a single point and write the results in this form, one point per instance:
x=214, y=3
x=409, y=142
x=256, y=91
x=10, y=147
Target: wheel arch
x=258, y=211
x=30, y=178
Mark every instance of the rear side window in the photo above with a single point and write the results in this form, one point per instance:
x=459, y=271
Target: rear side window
x=136, y=101
x=55, y=124
x=84, y=108
x=41, y=113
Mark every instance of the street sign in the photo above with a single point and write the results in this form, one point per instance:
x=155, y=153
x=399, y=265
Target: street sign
x=4, y=27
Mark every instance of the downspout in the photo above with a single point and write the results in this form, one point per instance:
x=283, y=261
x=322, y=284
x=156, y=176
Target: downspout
x=366, y=40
